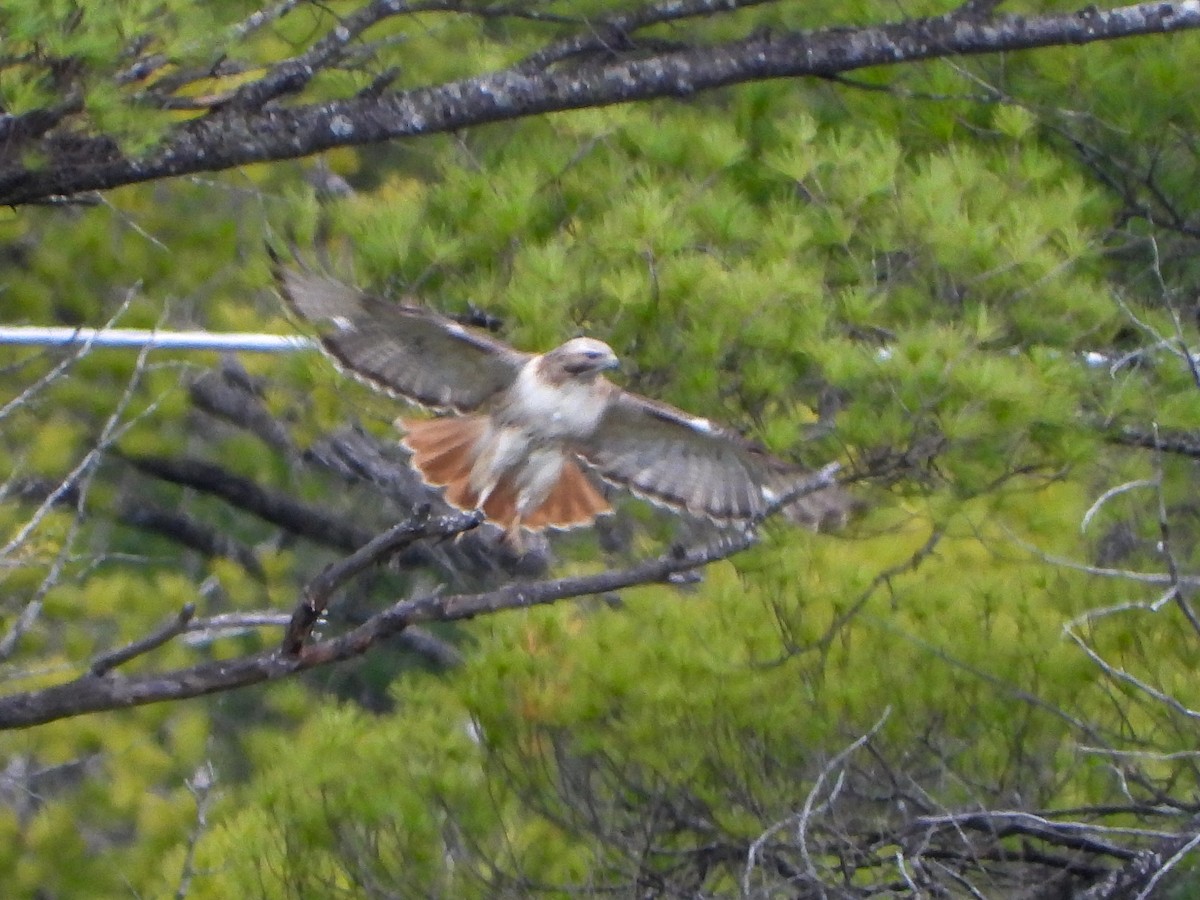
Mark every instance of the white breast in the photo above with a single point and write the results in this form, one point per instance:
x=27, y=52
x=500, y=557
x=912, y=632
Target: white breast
x=569, y=410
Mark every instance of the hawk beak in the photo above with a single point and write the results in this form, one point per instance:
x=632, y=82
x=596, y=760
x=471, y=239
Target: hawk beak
x=612, y=363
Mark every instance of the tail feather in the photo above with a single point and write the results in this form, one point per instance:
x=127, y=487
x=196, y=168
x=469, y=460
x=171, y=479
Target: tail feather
x=573, y=501
x=459, y=494
x=443, y=451
x=445, y=466
x=501, y=505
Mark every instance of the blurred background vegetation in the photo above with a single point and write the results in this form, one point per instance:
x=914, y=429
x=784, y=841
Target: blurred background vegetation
x=973, y=282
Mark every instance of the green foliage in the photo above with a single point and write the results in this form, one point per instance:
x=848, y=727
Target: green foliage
x=939, y=266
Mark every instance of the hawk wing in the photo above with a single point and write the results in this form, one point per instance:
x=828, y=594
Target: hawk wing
x=679, y=460
x=406, y=351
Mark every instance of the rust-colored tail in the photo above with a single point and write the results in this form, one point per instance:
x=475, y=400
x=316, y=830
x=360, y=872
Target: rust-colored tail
x=444, y=450
x=573, y=501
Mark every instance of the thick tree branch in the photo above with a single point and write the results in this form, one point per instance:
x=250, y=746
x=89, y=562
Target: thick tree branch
x=320, y=589
x=1181, y=443
x=189, y=532
x=95, y=694
x=227, y=395
x=236, y=134
x=140, y=514
x=277, y=508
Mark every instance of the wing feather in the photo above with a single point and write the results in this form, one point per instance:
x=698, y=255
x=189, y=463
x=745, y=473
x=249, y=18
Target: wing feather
x=683, y=461
x=406, y=351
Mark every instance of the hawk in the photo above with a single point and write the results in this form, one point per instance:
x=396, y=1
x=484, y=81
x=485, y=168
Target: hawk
x=523, y=434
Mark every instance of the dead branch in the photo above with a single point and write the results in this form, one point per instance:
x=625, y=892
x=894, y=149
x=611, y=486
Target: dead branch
x=1138, y=877
x=179, y=527
x=413, y=639
x=189, y=532
x=227, y=394
x=178, y=624
x=89, y=693
x=272, y=506
x=1182, y=443
x=316, y=596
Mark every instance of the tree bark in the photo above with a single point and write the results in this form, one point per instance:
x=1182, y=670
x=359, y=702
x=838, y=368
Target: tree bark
x=242, y=132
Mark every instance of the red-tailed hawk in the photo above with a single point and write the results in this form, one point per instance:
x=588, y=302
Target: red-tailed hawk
x=530, y=429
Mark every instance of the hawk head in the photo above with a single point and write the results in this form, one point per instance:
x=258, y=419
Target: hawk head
x=580, y=358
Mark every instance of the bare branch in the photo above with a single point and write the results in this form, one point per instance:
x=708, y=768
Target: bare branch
x=1144, y=871
x=189, y=532
x=76, y=482
x=1153, y=578
x=204, y=631
x=1168, y=552
x=802, y=818
x=292, y=75
x=91, y=694
x=272, y=506
x=414, y=639
x=175, y=526
x=615, y=34
x=1180, y=443
x=317, y=594
x=201, y=785
x=224, y=395
x=1109, y=494
x=1123, y=676
x=83, y=345
x=1004, y=823
x=178, y=624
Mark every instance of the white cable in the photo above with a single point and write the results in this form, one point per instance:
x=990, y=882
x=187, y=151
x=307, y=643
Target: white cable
x=33, y=335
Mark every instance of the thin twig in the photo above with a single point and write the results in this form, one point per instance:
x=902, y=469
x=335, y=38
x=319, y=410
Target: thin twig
x=77, y=480
x=1175, y=859
x=806, y=810
x=801, y=818
x=22, y=535
x=1119, y=674
x=201, y=785
x=1109, y=494
x=177, y=625
x=1164, y=531
x=1155, y=578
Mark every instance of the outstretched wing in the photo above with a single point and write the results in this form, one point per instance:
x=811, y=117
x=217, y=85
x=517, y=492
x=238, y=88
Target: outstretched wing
x=679, y=460
x=406, y=351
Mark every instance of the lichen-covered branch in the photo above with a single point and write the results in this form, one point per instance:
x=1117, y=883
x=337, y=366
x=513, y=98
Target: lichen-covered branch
x=249, y=130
